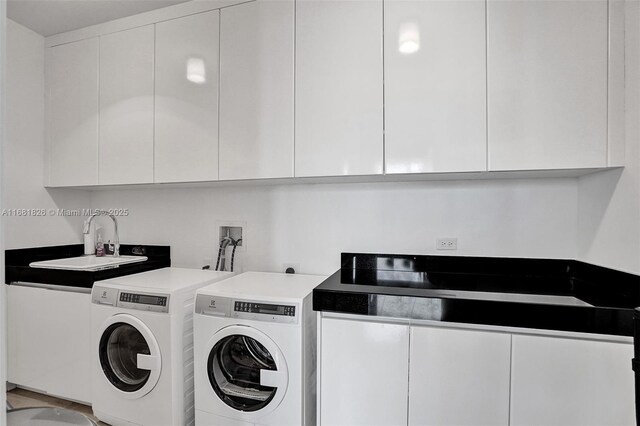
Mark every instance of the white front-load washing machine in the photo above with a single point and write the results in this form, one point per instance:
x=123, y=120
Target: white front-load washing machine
x=255, y=350
x=142, y=340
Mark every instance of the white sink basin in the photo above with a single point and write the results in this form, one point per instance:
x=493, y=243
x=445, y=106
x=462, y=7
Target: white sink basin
x=88, y=263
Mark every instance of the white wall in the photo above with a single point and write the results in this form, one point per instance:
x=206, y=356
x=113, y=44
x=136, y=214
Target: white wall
x=595, y=218
x=310, y=224
x=23, y=159
x=609, y=202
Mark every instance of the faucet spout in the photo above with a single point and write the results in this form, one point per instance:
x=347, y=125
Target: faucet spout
x=116, y=238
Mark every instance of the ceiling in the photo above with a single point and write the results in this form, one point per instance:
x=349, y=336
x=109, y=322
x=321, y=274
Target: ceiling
x=49, y=17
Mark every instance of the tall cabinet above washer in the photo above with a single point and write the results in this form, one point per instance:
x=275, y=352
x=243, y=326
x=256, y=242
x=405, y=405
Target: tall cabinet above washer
x=125, y=142
x=256, y=90
x=186, y=115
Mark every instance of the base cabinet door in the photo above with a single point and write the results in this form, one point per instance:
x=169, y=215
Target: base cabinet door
x=363, y=373
x=571, y=382
x=48, y=341
x=458, y=377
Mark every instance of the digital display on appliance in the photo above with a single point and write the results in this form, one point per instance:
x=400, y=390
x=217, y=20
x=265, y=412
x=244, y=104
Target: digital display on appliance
x=265, y=308
x=144, y=299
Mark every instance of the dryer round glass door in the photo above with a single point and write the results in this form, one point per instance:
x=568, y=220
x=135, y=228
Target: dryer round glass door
x=129, y=355
x=246, y=370
x=119, y=348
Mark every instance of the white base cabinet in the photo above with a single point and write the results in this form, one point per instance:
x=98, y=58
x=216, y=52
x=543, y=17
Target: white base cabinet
x=363, y=376
x=48, y=341
x=458, y=377
x=378, y=373
x=571, y=382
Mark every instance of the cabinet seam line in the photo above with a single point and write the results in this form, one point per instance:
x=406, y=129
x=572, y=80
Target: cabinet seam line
x=318, y=368
x=99, y=114
x=155, y=47
x=486, y=84
x=608, y=144
x=409, y=373
x=510, y=378
x=295, y=47
x=384, y=107
x=219, y=86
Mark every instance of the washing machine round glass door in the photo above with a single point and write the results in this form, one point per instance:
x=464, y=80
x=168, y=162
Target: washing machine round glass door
x=129, y=356
x=246, y=369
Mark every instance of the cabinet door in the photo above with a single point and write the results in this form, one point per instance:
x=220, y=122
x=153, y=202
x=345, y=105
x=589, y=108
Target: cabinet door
x=339, y=85
x=459, y=377
x=48, y=341
x=126, y=107
x=435, y=86
x=363, y=373
x=256, y=90
x=186, y=115
x=72, y=113
x=547, y=84
x=571, y=382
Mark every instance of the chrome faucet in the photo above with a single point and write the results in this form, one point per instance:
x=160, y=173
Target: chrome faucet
x=116, y=239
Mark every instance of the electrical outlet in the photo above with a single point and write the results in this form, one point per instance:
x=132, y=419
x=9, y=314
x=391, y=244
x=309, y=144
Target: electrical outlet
x=294, y=266
x=447, y=244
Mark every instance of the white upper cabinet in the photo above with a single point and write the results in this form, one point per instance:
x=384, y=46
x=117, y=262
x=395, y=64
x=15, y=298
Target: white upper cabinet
x=72, y=113
x=435, y=86
x=459, y=377
x=313, y=88
x=571, y=382
x=126, y=107
x=547, y=84
x=256, y=90
x=339, y=88
x=186, y=114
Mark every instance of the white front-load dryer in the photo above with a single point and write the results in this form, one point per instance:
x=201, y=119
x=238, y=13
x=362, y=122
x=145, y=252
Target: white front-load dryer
x=142, y=340
x=255, y=351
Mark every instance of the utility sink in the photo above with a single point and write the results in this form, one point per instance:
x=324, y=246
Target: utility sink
x=88, y=263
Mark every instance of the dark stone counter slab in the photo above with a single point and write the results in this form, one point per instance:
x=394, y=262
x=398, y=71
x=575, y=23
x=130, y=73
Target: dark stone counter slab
x=480, y=290
x=17, y=264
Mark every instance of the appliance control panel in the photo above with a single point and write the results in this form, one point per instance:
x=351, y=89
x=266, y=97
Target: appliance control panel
x=264, y=308
x=144, y=302
x=285, y=313
x=151, y=302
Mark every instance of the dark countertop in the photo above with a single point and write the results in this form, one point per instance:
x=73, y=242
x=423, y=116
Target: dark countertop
x=471, y=290
x=17, y=264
